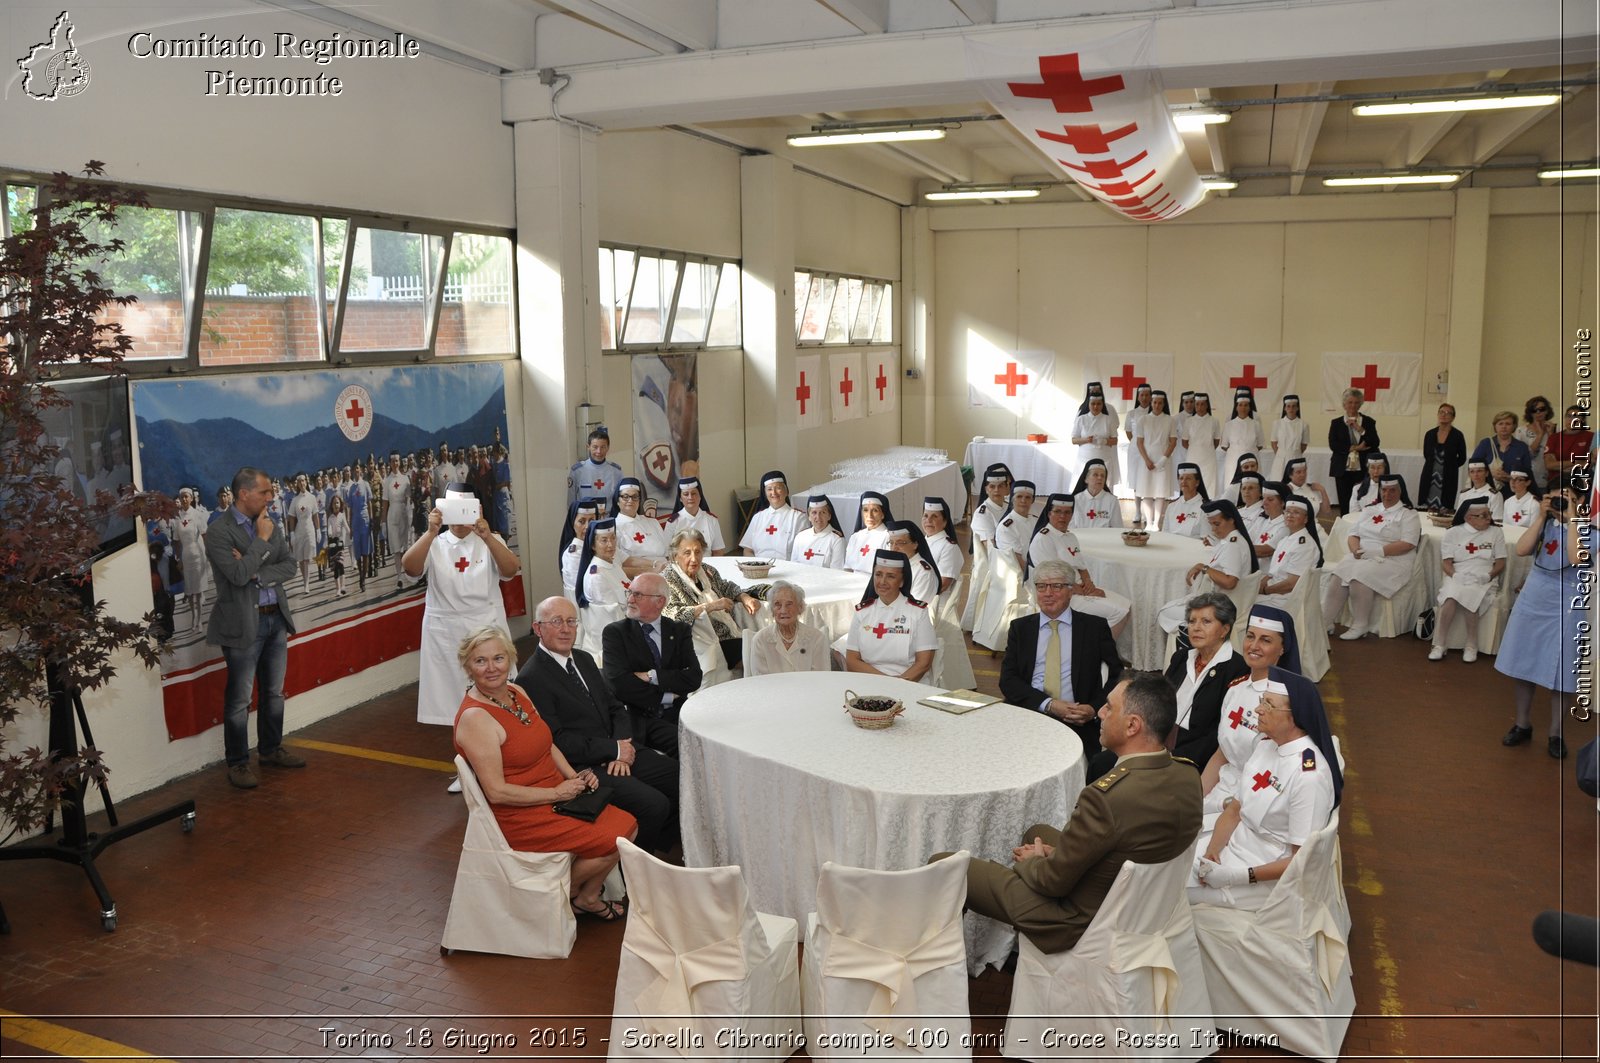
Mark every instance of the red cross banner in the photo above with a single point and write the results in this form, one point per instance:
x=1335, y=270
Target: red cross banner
x=1009, y=380
x=882, y=369
x=847, y=386
x=1122, y=374
x=1391, y=383
x=1270, y=376
x=1100, y=112
x=810, y=392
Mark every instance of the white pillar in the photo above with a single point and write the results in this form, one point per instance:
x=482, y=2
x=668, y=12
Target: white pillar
x=766, y=186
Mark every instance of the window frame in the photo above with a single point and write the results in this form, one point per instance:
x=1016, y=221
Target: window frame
x=682, y=261
x=841, y=288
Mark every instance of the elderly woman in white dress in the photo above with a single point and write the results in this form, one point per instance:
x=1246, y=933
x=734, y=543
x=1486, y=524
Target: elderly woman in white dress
x=1383, y=545
x=697, y=595
x=787, y=644
x=1473, y=555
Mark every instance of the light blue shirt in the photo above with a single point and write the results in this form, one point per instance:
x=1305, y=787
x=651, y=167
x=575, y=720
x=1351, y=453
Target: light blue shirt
x=1064, y=629
x=269, y=595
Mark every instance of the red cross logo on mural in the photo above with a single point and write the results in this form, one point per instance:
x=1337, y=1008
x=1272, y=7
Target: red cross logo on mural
x=880, y=630
x=1248, y=379
x=882, y=383
x=1127, y=382
x=462, y=564
x=803, y=392
x=1011, y=379
x=355, y=412
x=1260, y=781
x=661, y=461
x=1064, y=85
x=1370, y=382
x=846, y=386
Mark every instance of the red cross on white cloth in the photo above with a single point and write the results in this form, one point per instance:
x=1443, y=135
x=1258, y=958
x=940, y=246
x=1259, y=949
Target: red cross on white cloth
x=880, y=630
x=1262, y=780
x=1236, y=719
x=462, y=564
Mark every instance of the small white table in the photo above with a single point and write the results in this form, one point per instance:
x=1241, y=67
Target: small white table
x=903, y=478
x=1052, y=466
x=1150, y=576
x=832, y=594
x=776, y=778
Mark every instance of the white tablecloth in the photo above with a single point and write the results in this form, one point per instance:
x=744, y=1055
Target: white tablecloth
x=1052, y=466
x=832, y=594
x=1407, y=463
x=1150, y=576
x=904, y=479
x=777, y=779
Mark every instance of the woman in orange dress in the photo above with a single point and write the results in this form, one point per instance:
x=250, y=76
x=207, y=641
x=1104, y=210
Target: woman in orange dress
x=523, y=775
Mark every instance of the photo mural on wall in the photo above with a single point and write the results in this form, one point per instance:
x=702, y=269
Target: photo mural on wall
x=356, y=458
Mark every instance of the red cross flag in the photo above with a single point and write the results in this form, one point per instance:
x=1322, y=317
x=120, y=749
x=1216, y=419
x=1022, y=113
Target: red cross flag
x=1390, y=383
x=809, y=392
x=1121, y=375
x=1009, y=380
x=847, y=386
x=1270, y=376
x=883, y=370
x=1100, y=112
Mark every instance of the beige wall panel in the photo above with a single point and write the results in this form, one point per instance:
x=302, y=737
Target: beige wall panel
x=668, y=190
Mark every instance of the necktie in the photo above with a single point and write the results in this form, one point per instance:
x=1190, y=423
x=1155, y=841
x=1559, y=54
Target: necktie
x=1052, y=661
x=650, y=640
x=572, y=670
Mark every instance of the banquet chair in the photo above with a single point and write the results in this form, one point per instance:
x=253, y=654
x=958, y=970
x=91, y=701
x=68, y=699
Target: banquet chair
x=1008, y=597
x=1396, y=615
x=592, y=620
x=506, y=902
x=1136, y=970
x=978, y=584
x=1304, y=606
x=697, y=955
x=885, y=954
x=954, y=671
x=1243, y=596
x=1284, y=971
x=747, y=639
x=1490, y=625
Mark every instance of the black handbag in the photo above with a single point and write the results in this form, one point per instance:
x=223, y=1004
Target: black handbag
x=588, y=806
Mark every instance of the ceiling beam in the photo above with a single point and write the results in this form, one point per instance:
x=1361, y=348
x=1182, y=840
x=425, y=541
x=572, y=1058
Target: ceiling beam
x=1249, y=44
x=1496, y=131
x=976, y=12
x=868, y=16
x=500, y=38
x=608, y=18
x=691, y=23
x=1423, y=132
x=1305, y=135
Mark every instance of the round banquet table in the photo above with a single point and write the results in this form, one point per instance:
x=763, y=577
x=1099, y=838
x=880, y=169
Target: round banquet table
x=776, y=778
x=1150, y=576
x=832, y=594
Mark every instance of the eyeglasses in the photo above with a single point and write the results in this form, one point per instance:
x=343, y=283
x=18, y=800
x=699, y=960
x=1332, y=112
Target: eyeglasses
x=1051, y=586
x=642, y=594
x=566, y=622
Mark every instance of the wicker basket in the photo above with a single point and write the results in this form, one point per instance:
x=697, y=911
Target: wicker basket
x=873, y=712
x=755, y=569
x=1136, y=538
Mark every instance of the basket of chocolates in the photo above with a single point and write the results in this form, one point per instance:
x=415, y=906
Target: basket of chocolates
x=755, y=568
x=872, y=712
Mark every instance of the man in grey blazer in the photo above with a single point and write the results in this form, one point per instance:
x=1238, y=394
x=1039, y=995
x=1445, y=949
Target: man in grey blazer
x=251, y=621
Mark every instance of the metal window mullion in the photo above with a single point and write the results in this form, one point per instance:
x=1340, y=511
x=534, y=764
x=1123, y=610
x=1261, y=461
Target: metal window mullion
x=431, y=330
x=672, y=304
x=195, y=304
x=319, y=281
x=347, y=258
x=627, y=305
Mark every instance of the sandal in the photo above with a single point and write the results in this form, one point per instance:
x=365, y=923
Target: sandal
x=610, y=913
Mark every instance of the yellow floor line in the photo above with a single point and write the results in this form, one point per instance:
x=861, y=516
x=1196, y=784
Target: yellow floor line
x=1367, y=881
x=445, y=766
x=60, y=1041
x=985, y=671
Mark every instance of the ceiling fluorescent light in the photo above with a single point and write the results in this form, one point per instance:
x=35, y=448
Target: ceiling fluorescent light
x=1576, y=171
x=1480, y=103
x=1196, y=121
x=1218, y=184
x=950, y=192
x=864, y=135
x=1393, y=179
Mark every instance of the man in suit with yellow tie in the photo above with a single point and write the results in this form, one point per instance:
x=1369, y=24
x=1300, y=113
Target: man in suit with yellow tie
x=1053, y=657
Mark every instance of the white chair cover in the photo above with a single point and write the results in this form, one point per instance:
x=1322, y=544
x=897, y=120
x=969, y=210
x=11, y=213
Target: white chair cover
x=592, y=620
x=1490, y=625
x=1136, y=970
x=506, y=902
x=1284, y=970
x=885, y=954
x=1243, y=596
x=953, y=669
x=748, y=638
x=698, y=957
x=1397, y=615
x=1310, y=630
x=1008, y=597
x=978, y=585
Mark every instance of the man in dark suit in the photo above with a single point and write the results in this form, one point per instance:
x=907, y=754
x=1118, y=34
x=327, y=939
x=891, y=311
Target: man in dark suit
x=650, y=663
x=1074, y=689
x=1147, y=809
x=249, y=560
x=592, y=728
x=1354, y=433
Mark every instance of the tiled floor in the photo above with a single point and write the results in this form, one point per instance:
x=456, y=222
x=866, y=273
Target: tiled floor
x=302, y=920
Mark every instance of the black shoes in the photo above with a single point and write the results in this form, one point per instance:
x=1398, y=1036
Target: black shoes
x=1517, y=735
x=1558, y=747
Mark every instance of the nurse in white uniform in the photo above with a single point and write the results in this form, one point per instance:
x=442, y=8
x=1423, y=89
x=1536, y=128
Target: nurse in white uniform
x=1184, y=513
x=601, y=581
x=641, y=544
x=821, y=543
x=871, y=532
x=890, y=634
x=1053, y=540
x=997, y=496
x=1095, y=432
x=1521, y=510
x=1201, y=433
x=578, y=518
x=1297, y=552
x=907, y=539
x=1290, y=436
x=773, y=528
x=1478, y=486
x=1016, y=523
x=1383, y=544
x=1093, y=504
x=1231, y=560
x=938, y=528
x=1473, y=555
x=1109, y=455
x=1241, y=432
x=691, y=512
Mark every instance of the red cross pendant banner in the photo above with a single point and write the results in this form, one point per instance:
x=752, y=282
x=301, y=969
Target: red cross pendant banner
x=1010, y=380
x=1121, y=374
x=1269, y=375
x=810, y=404
x=882, y=376
x=1100, y=112
x=1389, y=383
x=844, y=386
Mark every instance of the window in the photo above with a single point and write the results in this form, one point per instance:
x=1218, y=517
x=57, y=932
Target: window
x=261, y=297
x=478, y=315
x=841, y=311
x=393, y=278
x=157, y=265
x=667, y=300
x=20, y=201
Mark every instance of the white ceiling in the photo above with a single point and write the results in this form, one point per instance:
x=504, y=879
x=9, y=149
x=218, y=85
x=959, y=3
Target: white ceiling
x=748, y=72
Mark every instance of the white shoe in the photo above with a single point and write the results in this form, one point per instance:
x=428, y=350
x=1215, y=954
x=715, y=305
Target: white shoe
x=1436, y=654
x=1469, y=655
x=1351, y=634
x=455, y=785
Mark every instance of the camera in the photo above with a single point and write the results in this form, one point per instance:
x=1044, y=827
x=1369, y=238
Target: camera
x=1558, y=503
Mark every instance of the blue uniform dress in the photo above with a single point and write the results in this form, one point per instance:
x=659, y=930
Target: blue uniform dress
x=1541, y=640
x=359, y=498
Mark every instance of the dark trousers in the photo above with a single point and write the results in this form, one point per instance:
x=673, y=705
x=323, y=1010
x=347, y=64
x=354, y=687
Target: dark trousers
x=650, y=795
x=659, y=733
x=1346, y=483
